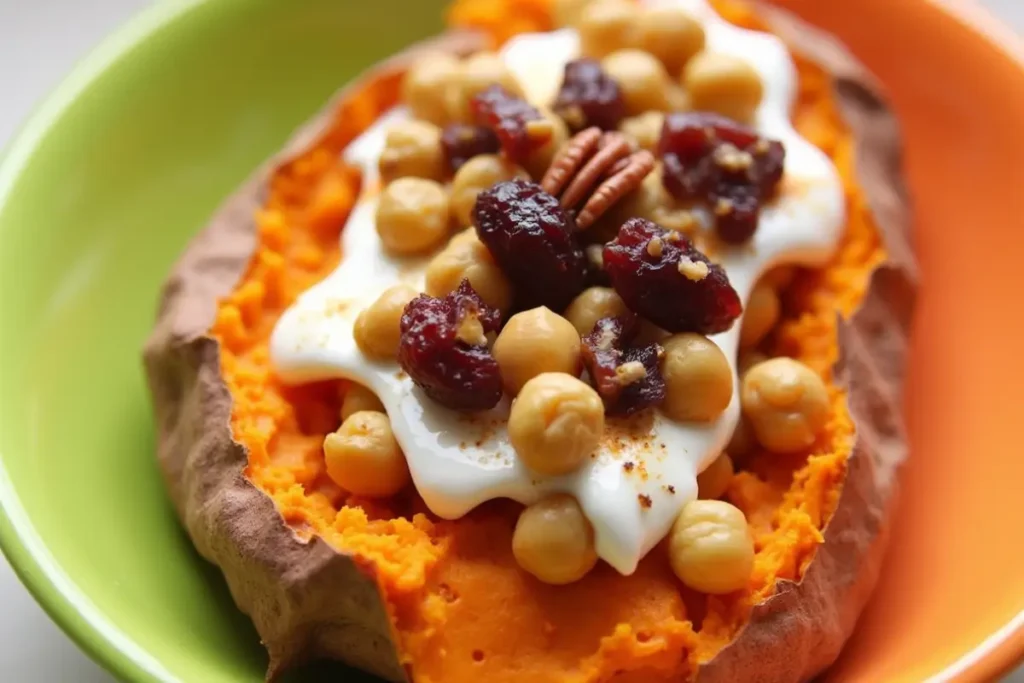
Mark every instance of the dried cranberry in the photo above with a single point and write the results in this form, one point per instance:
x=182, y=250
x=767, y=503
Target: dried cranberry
x=589, y=97
x=509, y=117
x=664, y=278
x=441, y=354
x=531, y=237
x=602, y=351
x=462, y=142
x=648, y=390
x=628, y=379
x=707, y=156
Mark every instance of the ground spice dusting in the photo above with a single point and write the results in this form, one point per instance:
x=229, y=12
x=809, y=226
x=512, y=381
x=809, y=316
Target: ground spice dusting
x=437, y=576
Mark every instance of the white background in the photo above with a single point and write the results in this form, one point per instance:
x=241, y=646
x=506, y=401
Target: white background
x=40, y=40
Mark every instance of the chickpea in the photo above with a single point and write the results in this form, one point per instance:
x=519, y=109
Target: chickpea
x=475, y=176
x=710, y=547
x=554, y=541
x=540, y=159
x=671, y=34
x=606, y=26
x=466, y=258
x=412, y=148
x=644, y=129
x=377, y=329
x=698, y=379
x=642, y=79
x=358, y=399
x=714, y=481
x=533, y=342
x=722, y=83
x=591, y=305
x=568, y=12
x=787, y=404
x=363, y=457
x=426, y=86
x=759, y=316
x=555, y=423
x=412, y=216
x=479, y=72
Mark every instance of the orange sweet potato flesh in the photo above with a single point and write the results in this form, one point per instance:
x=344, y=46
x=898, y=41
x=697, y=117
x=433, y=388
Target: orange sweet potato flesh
x=386, y=587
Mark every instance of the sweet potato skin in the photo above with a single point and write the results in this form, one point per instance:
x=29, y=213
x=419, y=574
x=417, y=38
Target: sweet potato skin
x=307, y=600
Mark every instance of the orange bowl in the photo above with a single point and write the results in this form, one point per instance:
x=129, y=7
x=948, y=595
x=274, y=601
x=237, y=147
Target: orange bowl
x=950, y=601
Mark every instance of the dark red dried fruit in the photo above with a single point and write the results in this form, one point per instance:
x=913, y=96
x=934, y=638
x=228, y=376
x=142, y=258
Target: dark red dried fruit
x=650, y=389
x=627, y=379
x=462, y=142
x=664, y=278
x=589, y=97
x=602, y=352
x=434, y=352
x=710, y=157
x=509, y=117
x=531, y=237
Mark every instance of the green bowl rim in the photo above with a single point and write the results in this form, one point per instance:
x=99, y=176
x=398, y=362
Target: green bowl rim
x=54, y=590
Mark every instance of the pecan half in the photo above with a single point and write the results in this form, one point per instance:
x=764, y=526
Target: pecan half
x=595, y=170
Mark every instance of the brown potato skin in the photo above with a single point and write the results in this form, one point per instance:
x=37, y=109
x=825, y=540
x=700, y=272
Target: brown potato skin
x=310, y=601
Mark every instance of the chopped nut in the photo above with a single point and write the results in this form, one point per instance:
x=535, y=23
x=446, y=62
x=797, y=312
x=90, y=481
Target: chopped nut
x=693, y=270
x=539, y=130
x=630, y=372
x=654, y=247
x=732, y=158
x=470, y=331
x=723, y=207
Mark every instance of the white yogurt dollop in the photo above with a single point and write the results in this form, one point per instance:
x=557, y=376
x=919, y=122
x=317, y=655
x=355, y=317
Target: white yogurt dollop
x=645, y=469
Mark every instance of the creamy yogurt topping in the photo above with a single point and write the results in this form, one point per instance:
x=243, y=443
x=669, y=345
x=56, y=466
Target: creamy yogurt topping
x=645, y=469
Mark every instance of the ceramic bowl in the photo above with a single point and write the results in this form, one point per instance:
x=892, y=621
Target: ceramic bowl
x=126, y=160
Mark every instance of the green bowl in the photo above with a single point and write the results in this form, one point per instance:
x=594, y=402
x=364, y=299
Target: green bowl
x=98, y=195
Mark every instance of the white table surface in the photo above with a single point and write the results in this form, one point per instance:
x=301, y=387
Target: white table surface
x=40, y=40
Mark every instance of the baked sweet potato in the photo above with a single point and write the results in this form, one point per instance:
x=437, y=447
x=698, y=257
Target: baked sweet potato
x=384, y=586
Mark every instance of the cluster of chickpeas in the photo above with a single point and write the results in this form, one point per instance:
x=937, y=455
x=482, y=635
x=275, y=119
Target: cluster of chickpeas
x=659, y=58
x=557, y=420
x=419, y=204
x=785, y=406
